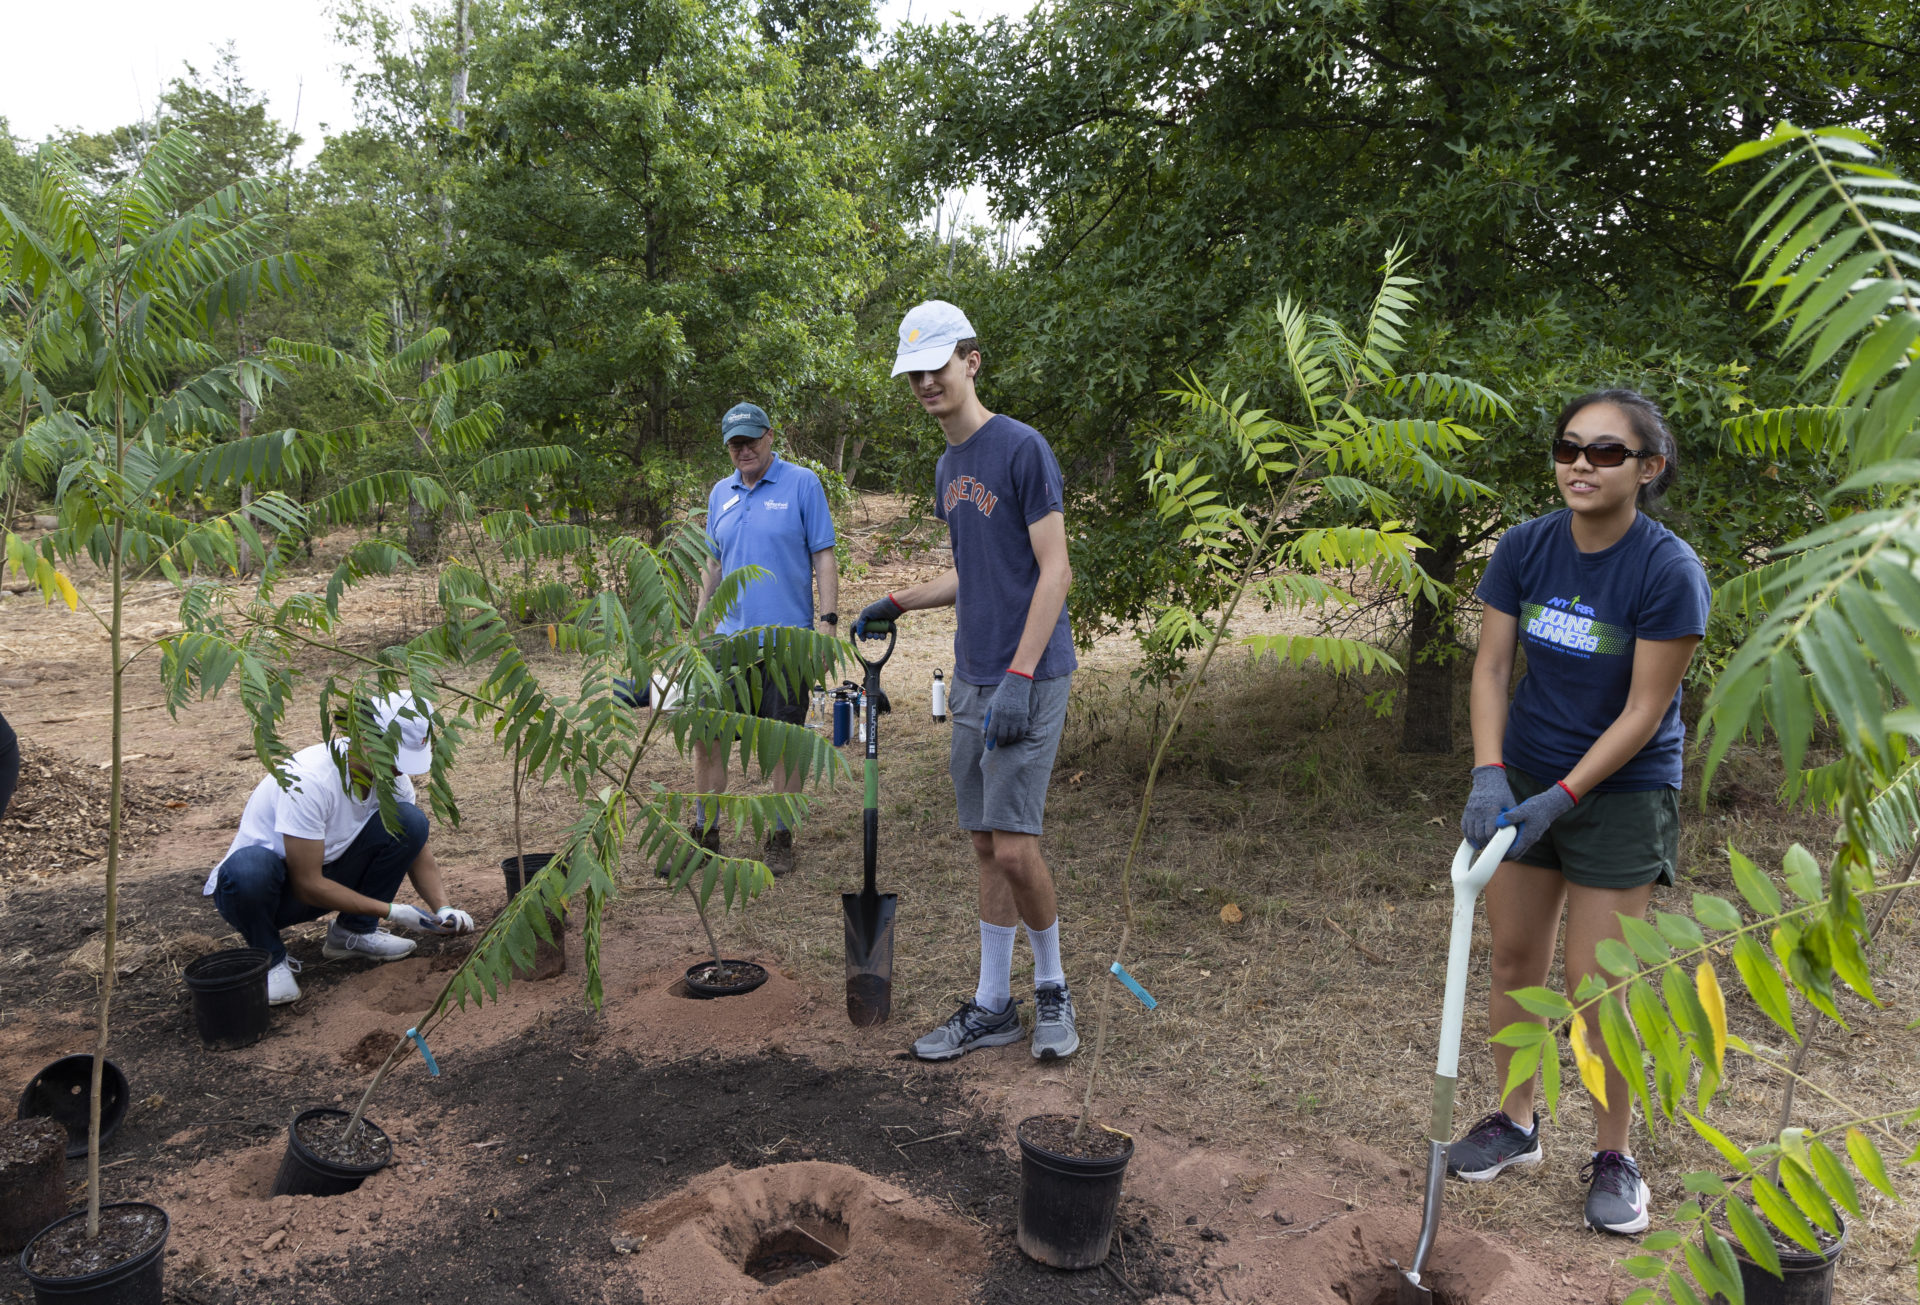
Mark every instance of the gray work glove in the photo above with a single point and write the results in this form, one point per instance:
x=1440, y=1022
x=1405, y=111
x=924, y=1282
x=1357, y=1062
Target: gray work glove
x=1009, y=713
x=1534, y=815
x=1491, y=795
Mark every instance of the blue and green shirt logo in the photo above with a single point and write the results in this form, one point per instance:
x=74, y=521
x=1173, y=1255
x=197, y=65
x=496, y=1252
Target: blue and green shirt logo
x=1568, y=623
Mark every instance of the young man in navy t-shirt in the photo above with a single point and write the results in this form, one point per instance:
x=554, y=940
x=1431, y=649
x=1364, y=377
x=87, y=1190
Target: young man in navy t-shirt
x=998, y=488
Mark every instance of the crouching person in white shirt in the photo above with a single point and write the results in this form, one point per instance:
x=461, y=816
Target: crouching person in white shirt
x=319, y=845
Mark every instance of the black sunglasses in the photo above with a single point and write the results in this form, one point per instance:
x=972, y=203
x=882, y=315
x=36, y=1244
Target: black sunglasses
x=1566, y=452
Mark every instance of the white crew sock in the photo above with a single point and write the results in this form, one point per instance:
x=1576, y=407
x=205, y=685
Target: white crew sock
x=996, y=966
x=1046, y=956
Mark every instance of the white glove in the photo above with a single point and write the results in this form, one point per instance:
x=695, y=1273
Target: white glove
x=454, y=921
x=412, y=917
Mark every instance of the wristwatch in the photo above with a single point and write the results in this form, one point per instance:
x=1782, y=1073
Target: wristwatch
x=830, y=618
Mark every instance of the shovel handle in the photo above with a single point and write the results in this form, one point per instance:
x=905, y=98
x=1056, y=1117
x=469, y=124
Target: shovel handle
x=1470, y=875
x=874, y=630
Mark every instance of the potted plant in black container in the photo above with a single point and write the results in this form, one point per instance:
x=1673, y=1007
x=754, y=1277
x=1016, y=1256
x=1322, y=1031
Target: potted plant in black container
x=126, y=289
x=1242, y=527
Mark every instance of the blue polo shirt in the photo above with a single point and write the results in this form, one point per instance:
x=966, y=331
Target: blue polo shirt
x=778, y=525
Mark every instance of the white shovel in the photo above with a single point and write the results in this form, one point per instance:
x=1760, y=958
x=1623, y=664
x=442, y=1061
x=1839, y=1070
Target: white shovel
x=1470, y=875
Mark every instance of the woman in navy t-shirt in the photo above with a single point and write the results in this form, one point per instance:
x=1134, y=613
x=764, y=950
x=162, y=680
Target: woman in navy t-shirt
x=1609, y=606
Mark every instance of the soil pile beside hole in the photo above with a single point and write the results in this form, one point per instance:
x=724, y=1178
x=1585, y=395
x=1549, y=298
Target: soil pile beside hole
x=370, y=1052
x=125, y=1231
x=57, y=820
x=326, y=1136
x=808, y=1233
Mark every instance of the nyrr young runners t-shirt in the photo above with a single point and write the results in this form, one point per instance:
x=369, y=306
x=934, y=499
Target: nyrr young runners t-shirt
x=988, y=489
x=1579, y=615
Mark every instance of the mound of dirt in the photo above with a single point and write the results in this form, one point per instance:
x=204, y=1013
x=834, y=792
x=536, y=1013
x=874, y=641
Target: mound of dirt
x=57, y=820
x=808, y=1233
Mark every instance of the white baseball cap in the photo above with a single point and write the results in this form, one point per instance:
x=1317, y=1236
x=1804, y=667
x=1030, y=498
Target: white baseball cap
x=927, y=335
x=415, y=754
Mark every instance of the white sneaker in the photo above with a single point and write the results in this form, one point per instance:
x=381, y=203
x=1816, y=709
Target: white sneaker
x=375, y=946
x=281, y=988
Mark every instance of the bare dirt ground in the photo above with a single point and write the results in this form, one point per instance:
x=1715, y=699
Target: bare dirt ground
x=1278, y=1095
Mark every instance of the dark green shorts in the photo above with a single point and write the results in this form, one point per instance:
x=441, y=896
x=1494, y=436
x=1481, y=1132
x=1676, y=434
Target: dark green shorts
x=1608, y=840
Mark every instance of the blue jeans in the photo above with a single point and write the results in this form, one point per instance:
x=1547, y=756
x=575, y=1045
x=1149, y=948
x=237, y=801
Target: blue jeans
x=254, y=897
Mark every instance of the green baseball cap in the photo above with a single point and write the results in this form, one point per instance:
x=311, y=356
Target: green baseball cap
x=743, y=419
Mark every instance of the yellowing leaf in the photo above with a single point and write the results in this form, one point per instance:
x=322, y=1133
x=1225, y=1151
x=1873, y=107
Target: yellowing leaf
x=553, y=637
x=1593, y=1070
x=1707, y=984
x=68, y=593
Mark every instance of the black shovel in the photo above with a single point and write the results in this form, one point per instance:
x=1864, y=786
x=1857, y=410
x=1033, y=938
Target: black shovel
x=870, y=912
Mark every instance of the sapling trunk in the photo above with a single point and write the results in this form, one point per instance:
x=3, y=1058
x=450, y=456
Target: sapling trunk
x=712, y=943
x=519, y=852
x=111, y=933
x=1254, y=562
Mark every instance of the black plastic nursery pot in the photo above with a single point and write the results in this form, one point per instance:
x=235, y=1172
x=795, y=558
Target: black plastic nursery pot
x=230, y=997
x=63, y=1092
x=132, y=1278
x=305, y=1172
x=33, y=1179
x=1806, y=1278
x=549, y=958
x=1067, y=1202
x=734, y=979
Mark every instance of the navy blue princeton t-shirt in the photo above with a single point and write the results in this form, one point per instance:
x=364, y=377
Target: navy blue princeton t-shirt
x=989, y=489
x=1579, y=615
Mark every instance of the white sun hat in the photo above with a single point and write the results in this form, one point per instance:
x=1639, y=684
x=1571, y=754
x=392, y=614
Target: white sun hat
x=415, y=754
x=927, y=335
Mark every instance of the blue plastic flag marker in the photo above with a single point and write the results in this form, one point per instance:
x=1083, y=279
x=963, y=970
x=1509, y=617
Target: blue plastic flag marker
x=1133, y=986
x=434, y=1069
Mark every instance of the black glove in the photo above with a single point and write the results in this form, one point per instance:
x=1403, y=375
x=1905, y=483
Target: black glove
x=883, y=610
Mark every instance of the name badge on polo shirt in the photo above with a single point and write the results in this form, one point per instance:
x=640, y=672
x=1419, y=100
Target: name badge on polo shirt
x=729, y=503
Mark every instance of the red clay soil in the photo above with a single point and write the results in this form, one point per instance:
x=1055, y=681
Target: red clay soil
x=554, y=1131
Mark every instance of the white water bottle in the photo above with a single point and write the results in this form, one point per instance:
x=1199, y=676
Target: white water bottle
x=939, y=696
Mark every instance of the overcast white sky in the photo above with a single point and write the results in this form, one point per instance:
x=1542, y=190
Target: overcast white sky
x=286, y=49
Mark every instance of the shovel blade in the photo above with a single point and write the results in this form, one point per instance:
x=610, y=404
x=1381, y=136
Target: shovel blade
x=1411, y=1292
x=869, y=956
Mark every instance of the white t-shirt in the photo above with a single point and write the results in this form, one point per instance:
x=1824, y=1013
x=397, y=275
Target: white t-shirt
x=316, y=806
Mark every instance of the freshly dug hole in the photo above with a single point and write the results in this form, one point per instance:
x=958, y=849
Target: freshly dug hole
x=792, y=1251
x=1383, y=1288
x=807, y=1233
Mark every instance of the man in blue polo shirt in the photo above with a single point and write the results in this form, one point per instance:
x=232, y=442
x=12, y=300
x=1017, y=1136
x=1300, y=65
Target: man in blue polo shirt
x=773, y=515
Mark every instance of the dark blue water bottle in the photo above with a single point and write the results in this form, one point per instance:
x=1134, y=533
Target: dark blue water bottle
x=842, y=718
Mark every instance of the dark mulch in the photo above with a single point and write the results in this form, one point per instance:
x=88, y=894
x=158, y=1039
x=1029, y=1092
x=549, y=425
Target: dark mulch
x=125, y=1232
x=628, y=1132
x=327, y=1137
x=1055, y=1133
x=57, y=820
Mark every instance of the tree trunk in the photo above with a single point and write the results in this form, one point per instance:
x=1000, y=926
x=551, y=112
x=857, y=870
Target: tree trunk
x=853, y=463
x=1427, y=726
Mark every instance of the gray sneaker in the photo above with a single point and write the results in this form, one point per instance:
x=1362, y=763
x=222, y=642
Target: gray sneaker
x=1054, y=1035
x=969, y=1029
x=1493, y=1146
x=1616, y=1194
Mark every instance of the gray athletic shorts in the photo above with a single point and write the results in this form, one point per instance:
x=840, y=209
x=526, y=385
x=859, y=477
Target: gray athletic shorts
x=1005, y=789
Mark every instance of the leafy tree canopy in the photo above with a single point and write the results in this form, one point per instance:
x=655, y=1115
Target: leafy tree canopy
x=665, y=209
